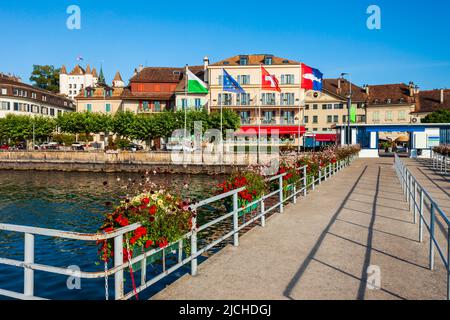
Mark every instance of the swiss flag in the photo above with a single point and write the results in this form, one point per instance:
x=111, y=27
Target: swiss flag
x=268, y=81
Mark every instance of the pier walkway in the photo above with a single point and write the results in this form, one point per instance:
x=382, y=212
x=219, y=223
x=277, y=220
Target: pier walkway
x=324, y=246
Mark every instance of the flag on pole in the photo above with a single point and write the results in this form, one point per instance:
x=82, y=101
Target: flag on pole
x=311, y=78
x=268, y=81
x=80, y=58
x=353, y=114
x=230, y=84
x=195, y=85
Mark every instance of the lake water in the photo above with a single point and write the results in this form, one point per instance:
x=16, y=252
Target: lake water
x=74, y=202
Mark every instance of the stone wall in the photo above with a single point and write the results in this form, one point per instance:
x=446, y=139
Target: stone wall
x=126, y=161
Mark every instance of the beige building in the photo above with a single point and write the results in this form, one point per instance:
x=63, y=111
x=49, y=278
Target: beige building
x=102, y=99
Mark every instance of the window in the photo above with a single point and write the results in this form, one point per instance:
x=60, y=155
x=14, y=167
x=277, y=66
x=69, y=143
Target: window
x=44, y=110
x=70, y=86
x=198, y=103
x=338, y=106
x=108, y=107
x=59, y=112
x=145, y=106
x=329, y=119
x=327, y=106
x=315, y=119
x=245, y=117
x=269, y=117
x=287, y=117
x=344, y=119
x=52, y=112
x=33, y=95
x=305, y=119
x=243, y=61
x=268, y=99
x=89, y=107
x=5, y=105
x=315, y=129
x=183, y=103
x=268, y=60
x=225, y=99
x=401, y=115
x=44, y=98
x=335, y=119
x=220, y=80
x=4, y=91
x=35, y=109
x=307, y=107
x=244, y=79
x=388, y=115
x=157, y=106
x=376, y=116
x=287, y=79
x=243, y=99
x=315, y=106
x=287, y=99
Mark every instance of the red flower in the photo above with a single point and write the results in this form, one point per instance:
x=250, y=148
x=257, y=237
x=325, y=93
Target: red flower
x=152, y=210
x=141, y=231
x=110, y=229
x=145, y=201
x=122, y=221
x=162, y=243
x=148, y=243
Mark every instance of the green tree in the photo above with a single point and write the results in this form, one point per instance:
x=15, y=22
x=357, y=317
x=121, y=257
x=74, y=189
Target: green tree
x=123, y=124
x=440, y=116
x=230, y=120
x=45, y=77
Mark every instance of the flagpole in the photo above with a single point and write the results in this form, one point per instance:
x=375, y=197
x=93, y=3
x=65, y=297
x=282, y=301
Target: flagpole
x=259, y=121
x=185, y=108
x=221, y=118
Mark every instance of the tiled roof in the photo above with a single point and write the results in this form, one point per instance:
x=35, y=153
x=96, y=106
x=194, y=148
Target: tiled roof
x=255, y=59
x=332, y=86
x=63, y=70
x=430, y=101
x=396, y=93
x=99, y=93
x=77, y=71
x=118, y=77
x=127, y=94
x=94, y=73
x=157, y=74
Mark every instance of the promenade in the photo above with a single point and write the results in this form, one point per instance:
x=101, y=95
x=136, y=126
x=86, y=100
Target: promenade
x=322, y=247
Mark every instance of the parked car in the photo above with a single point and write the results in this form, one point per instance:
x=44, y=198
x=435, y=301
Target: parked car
x=4, y=147
x=49, y=146
x=133, y=147
x=78, y=146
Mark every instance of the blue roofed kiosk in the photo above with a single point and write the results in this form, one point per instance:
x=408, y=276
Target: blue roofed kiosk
x=422, y=137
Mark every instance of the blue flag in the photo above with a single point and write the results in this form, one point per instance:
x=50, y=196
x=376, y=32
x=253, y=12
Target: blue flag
x=231, y=85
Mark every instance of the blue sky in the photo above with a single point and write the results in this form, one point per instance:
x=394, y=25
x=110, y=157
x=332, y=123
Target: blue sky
x=413, y=43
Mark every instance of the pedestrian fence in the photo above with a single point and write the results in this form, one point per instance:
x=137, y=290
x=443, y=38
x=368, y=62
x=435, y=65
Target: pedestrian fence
x=426, y=212
x=279, y=198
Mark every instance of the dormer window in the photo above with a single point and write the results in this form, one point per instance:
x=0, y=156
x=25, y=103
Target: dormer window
x=243, y=60
x=268, y=60
x=388, y=101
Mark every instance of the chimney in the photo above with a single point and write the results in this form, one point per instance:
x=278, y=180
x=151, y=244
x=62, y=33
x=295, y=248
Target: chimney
x=412, y=89
x=366, y=87
x=205, y=68
x=442, y=96
x=141, y=67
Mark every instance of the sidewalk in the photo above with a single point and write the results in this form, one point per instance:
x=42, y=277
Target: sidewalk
x=322, y=247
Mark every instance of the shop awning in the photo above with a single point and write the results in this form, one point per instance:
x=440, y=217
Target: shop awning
x=323, y=137
x=269, y=130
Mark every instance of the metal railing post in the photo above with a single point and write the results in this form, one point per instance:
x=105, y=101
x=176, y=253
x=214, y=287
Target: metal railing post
x=320, y=176
x=421, y=217
x=263, y=214
x=432, y=223
x=194, y=261
x=281, y=194
x=448, y=262
x=118, y=261
x=28, y=289
x=330, y=170
x=235, y=220
x=305, y=181
x=415, y=202
x=294, y=190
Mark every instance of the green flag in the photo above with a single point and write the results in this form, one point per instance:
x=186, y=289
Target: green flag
x=195, y=85
x=353, y=114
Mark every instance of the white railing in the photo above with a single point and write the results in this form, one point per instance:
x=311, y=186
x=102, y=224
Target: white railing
x=301, y=187
x=416, y=196
x=440, y=162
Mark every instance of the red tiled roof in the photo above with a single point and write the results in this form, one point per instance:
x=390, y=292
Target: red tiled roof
x=430, y=101
x=158, y=74
x=255, y=59
x=396, y=93
x=341, y=88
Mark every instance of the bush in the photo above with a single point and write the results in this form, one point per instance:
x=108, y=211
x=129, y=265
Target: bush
x=64, y=139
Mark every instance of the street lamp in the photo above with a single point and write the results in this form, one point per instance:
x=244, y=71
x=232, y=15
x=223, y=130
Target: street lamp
x=349, y=105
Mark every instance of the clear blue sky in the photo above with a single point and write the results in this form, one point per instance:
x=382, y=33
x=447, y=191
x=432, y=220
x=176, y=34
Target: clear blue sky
x=413, y=43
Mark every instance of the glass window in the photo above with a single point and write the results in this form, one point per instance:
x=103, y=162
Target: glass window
x=108, y=107
x=315, y=119
x=376, y=116
x=157, y=106
x=89, y=107
x=336, y=119
x=243, y=61
x=389, y=115
x=307, y=107
x=329, y=119
x=315, y=106
x=401, y=115
x=305, y=119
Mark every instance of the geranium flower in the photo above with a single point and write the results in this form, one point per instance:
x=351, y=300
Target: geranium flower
x=152, y=210
x=148, y=243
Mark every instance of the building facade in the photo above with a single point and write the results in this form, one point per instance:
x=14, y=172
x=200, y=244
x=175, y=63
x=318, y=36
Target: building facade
x=430, y=101
x=19, y=98
x=71, y=84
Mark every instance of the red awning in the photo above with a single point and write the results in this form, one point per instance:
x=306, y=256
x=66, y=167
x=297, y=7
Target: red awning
x=282, y=130
x=323, y=137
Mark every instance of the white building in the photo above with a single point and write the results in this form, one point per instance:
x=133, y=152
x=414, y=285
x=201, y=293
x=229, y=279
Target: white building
x=71, y=84
x=20, y=98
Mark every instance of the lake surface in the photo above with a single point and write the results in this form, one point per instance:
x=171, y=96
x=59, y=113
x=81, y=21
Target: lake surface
x=75, y=202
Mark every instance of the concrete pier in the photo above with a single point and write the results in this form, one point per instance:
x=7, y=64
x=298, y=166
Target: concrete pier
x=352, y=233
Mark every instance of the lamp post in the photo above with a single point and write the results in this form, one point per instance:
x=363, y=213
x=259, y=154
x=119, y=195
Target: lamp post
x=349, y=105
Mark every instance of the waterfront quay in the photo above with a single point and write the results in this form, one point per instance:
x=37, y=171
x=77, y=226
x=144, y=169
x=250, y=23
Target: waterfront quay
x=355, y=237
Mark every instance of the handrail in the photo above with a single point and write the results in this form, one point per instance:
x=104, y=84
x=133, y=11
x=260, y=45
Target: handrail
x=415, y=195
x=440, y=162
x=117, y=271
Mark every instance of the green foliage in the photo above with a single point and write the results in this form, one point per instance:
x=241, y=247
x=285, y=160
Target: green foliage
x=18, y=128
x=440, y=116
x=122, y=143
x=45, y=77
x=64, y=139
x=230, y=120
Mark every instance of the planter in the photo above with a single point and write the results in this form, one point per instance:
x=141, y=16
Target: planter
x=154, y=257
x=241, y=203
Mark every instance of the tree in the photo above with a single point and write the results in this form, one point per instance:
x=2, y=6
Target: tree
x=440, y=116
x=45, y=77
x=230, y=120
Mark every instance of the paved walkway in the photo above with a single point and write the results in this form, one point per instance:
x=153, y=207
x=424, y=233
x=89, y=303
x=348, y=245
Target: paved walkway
x=322, y=247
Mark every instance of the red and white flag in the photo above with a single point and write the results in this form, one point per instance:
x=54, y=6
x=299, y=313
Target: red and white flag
x=268, y=81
